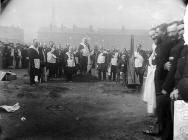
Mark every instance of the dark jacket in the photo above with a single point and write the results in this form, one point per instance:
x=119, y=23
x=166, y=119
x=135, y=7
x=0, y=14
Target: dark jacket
x=59, y=54
x=182, y=65
x=181, y=75
x=43, y=57
x=33, y=54
x=162, y=55
x=122, y=65
x=169, y=82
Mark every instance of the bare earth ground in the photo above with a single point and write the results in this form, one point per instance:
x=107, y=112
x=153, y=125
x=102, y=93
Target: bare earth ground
x=80, y=110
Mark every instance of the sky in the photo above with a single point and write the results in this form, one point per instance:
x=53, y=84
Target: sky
x=132, y=14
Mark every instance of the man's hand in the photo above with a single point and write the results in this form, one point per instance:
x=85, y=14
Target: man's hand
x=174, y=94
x=164, y=92
x=167, y=66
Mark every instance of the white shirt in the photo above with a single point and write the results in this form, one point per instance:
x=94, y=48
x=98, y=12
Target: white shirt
x=138, y=60
x=36, y=49
x=101, y=58
x=51, y=58
x=114, y=59
x=85, y=50
x=12, y=52
x=152, y=57
x=19, y=53
x=70, y=60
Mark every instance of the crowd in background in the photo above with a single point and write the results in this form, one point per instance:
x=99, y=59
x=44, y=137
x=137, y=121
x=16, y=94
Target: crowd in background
x=167, y=63
x=57, y=61
x=53, y=61
x=14, y=55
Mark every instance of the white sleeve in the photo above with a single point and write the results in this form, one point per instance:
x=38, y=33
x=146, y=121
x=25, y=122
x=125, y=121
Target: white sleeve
x=135, y=54
x=186, y=26
x=150, y=58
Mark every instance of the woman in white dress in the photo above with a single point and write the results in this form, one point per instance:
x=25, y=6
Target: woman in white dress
x=149, y=95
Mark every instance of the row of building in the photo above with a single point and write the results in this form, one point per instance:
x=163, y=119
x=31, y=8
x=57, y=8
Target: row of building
x=117, y=38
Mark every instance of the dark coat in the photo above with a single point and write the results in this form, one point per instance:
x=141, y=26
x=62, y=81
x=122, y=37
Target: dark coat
x=182, y=65
x=169, y=82
x=162, y=56
x=43, y=57
x=181, y=75
x=59, y=54
x=122, y=65
x=33, y=54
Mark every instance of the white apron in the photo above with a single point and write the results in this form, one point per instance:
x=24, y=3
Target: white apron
x=101, y=59
x=37, y=63
x=149, y=95
x=70, y=60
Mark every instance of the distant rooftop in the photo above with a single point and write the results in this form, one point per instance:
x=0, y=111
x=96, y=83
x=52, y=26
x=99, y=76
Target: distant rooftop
x=90, y=29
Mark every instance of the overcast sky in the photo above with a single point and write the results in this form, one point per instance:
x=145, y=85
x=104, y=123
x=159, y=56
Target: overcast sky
x=134, y=14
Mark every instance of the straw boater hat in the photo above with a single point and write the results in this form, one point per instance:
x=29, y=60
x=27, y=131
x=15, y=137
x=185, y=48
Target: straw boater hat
x=181, y=29
x=172, y=28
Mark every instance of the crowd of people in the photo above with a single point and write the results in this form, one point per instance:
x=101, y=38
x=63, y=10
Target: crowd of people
x=168, y=66
x=49, y=61
x=14, y=55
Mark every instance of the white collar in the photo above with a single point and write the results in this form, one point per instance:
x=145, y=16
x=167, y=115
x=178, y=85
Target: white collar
x=83, y=44
x=36, y=49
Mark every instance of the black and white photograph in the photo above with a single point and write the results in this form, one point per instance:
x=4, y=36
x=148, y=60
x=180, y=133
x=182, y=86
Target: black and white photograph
x=93, y=70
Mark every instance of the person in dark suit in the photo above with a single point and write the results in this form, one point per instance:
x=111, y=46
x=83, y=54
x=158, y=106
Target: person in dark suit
x=6, y=56
x=122, y=67
x=181, y=70
x=59, y=62
x=43, y=64
x=34, y=62
x=161, y=75
x=164, y=44
x=169, y=82
x=180, y=91
x=24, y=57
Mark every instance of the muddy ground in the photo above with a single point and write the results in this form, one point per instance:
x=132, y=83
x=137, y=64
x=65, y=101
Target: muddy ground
x=82, y=110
